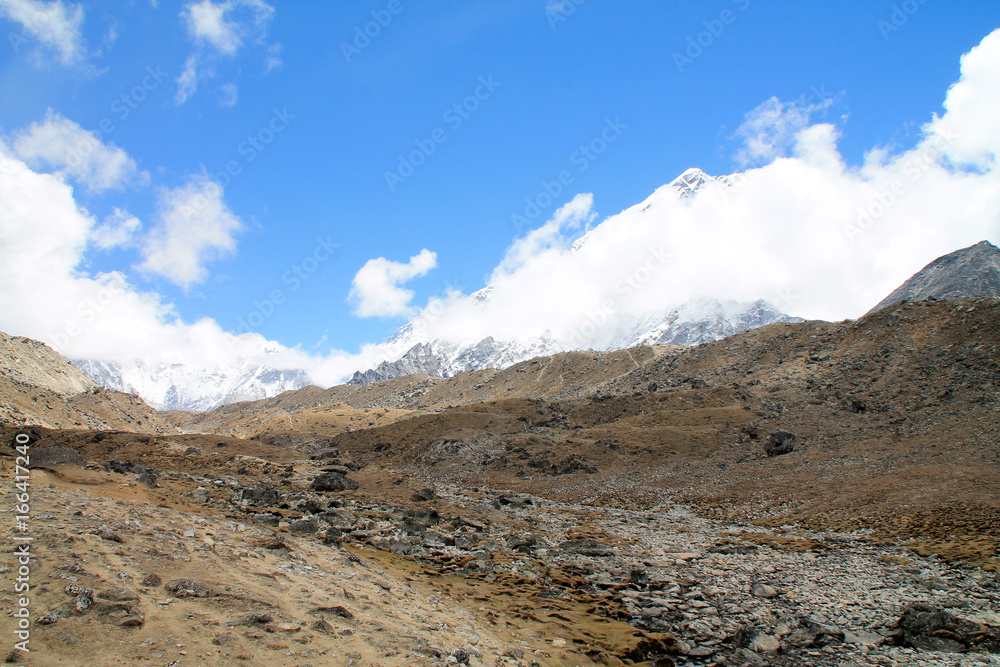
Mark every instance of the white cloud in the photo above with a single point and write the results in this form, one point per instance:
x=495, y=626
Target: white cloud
x=272, y=60
x=228, y=95
x=769, y=131
x=206, y=23
x=817, y=237
x=187, y=82
x=118, y=230
x=194, y=226
x=377, y=286
x=47, y=294
x=220, y=30
x=553, y=236
x=54, y=24
x=227, y=26
x=969, y=127
x=59, y=144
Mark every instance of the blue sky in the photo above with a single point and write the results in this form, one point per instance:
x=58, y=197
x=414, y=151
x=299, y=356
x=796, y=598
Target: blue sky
x=308, y=118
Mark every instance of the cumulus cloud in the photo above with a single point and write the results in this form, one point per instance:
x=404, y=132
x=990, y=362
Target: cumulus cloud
x=59, y=144
x=206, y=23
x=48, y=295
x=117, y=230
x=221, y=30
x=804, y=230
x=770, y=130
x=377, y=288
x=55, y=25
x=194, y=226
x=817, y=236
x=968, y=127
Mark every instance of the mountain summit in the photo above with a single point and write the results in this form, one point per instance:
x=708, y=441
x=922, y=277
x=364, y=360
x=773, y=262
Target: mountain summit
x=670, y=322
x=968, y=273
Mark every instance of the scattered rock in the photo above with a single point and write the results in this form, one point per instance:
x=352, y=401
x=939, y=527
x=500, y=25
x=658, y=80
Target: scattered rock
x=765, y=644
x=764, y=591
x=85, y=600
x=264, y=495
x=586, y=547
x=257, y=618
x=122, y=615
x=322, y=625
x=107, y=534
x=117, y=595
x=337, y=610
x=855, y=404
x=189, y=588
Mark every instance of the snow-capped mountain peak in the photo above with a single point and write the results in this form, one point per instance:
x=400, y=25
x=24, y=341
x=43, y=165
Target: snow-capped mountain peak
x=166, y=386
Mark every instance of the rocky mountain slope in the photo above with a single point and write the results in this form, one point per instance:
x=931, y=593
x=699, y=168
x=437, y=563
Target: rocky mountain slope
x=800, y=494
x=967, y=273
x=32, y=362
x=40, y=387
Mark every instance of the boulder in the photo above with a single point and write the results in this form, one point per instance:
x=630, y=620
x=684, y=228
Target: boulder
x=423, y=495
x=303, y=527
x=333, y=482
x=260, y=494
x=934, y=629
x=780, y=443
x=50, y=457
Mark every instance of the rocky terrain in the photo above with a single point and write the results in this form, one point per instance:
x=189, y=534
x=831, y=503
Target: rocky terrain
x=800, y=494
x=40, y=387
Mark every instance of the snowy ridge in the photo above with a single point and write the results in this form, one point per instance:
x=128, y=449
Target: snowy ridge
x=693, y=323
x=183, y=387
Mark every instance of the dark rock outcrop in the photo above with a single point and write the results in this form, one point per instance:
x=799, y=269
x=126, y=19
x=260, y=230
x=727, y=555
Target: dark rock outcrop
x=968, y=273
